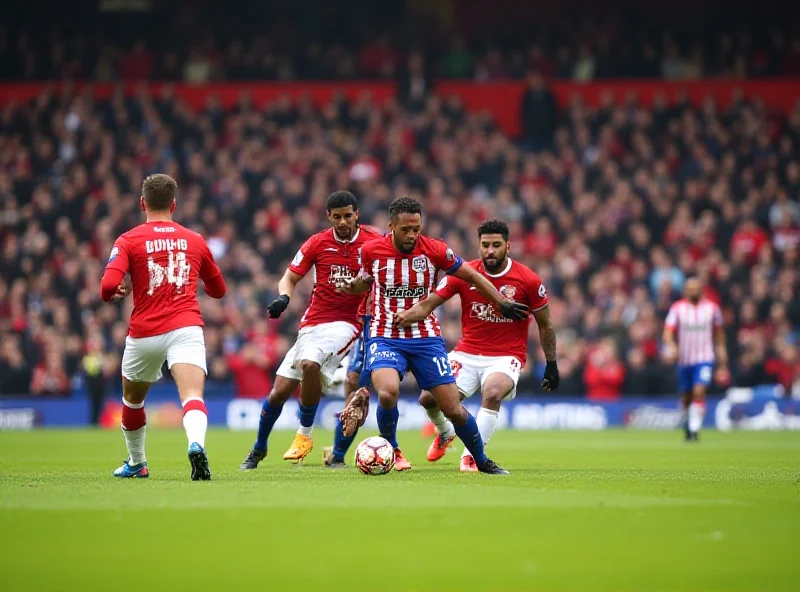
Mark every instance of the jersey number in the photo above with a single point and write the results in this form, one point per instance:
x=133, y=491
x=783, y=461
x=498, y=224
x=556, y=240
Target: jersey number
x=176, y=272
x=442, y=365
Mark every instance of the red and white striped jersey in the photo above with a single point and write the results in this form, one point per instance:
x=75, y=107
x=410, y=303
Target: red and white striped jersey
x=694, y=326
x=402, y=280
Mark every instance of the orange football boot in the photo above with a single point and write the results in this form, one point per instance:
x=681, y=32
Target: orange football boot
x=299, y=449
x=400, y=462
x=468, y=465
x=439, y=447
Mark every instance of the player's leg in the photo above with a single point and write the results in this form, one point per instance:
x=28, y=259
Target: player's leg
x=271, y=410
x=190, y=380
x=387, y=384
x=697, y=407
x=320, y=350
x=497, y=387
x=333, y=456
x=141, y=367
x=444, y=429
x=134, y=427
x=685, y=379
x=186, y=360
x=431, y=368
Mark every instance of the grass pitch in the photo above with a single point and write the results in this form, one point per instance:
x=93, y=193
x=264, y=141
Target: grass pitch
x=611, y=510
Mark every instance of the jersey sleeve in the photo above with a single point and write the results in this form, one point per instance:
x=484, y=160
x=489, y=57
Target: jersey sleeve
x=671, y=322
x=119, y=258
x=366, y=258
x=208, y=267
x=444, y=258
x=449, y=286
x=537, y=298
x=305, y=258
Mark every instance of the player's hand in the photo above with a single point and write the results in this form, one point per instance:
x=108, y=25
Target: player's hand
x=406, y=318
x=122, y=291
x=516, y=311
x=278, y=306
x=355, y=413
x=551, y=378
x=344, y=285
x=670, y=354
x=722, y=357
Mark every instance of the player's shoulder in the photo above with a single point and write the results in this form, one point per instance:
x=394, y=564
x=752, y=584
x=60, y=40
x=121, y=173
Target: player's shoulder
x=369, y=233
x=427, y=243
x=376, y=243
x=524, y=272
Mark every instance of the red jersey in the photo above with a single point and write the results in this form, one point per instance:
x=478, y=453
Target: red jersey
x=402, y=280
x=484, y=331
x=332, y=259
x=165, y=261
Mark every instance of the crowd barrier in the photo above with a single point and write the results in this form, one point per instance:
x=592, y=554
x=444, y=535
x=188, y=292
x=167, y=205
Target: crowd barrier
x=502, y=99
x=748, y=409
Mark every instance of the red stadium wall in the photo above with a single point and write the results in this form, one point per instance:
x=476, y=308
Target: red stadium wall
x=500, y=98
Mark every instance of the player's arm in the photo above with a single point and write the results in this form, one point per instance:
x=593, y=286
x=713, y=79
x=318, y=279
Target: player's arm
x=420, y=311
x=363, y=281
x=302, y=263
x=112, y=288
x=719, y=339
x=668, y=336
x=547, y=337
x=213, y=282
x=508, y=308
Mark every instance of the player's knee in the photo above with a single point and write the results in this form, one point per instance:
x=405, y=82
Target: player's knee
x=492, y=397
x=699, y=393
x=426, y=400
x=454, y=411
x=309, y=368
x=387, y=398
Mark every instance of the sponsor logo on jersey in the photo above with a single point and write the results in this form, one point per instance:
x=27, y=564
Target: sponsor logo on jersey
x=405, y=292
x=508, y=291
x=114, y=253
x=340, y=273
x=485, y=312
x=419, y=264
x=163, y=229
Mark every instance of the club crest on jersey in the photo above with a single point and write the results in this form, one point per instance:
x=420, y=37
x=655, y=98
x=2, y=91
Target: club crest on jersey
x=114, y=253
x=508, y=291
x=419, y=264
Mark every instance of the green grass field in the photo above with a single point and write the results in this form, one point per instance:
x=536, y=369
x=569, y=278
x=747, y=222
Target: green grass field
x=581, y=511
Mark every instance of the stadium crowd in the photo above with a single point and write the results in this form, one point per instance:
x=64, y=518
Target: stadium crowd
x=582, y=49
x=613, y=206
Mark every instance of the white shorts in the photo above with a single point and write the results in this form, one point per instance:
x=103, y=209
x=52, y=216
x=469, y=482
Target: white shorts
x=325, y=344
x=144, y=356
x=471, y=371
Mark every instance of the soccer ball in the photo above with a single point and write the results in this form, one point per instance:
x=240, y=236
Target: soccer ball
x=374, y=456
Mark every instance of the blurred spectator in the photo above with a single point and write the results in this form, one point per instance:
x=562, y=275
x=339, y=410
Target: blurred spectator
x=94, y=371
x=604, y=374
x=538, y=113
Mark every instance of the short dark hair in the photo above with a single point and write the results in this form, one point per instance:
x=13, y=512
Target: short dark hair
x=404, y=205
x=342, y=199
x=494, y=227
x=159, y=191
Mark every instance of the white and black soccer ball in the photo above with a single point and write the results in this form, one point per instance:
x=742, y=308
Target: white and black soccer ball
x=374, y=456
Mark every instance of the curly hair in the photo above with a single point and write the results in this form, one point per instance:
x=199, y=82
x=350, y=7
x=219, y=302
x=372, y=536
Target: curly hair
x=404, y=205
x=494, y=227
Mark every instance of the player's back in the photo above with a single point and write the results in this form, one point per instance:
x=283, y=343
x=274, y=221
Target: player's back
x=165, y=261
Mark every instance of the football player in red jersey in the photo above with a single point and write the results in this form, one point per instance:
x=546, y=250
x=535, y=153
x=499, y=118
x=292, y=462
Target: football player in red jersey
x=328, y=328
x=495, y=375
x=400, y=269
x=165, y=261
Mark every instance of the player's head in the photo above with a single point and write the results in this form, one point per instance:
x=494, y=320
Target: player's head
x=405, y=220
x=493, y=244
x=343, y=214
x=159, y=194
x=693, y=289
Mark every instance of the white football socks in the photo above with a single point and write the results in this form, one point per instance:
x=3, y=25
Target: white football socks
x=134, y=441
x=697, y=411
x=305, y=431
x=487, y=423
x=195, y=422
x=443, y=425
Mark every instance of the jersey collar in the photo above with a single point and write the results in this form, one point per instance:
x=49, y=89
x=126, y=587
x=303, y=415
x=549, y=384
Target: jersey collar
x=502, y=273
x=352, y=240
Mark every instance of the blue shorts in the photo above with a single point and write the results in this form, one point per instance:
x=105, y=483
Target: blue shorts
x=425, y=358
x=693, y=374
x=357, y=359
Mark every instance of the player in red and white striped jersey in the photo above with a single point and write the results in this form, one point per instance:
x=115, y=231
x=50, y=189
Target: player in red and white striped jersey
x=401, y=269
x=696, y=322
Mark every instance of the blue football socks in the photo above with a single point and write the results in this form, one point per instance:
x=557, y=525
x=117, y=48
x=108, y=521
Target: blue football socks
x=269, y=415
x=387, y=424
x=471, y=437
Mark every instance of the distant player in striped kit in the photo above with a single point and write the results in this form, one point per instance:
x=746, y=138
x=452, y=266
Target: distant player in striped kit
x=401, y=270
x=691, y=331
